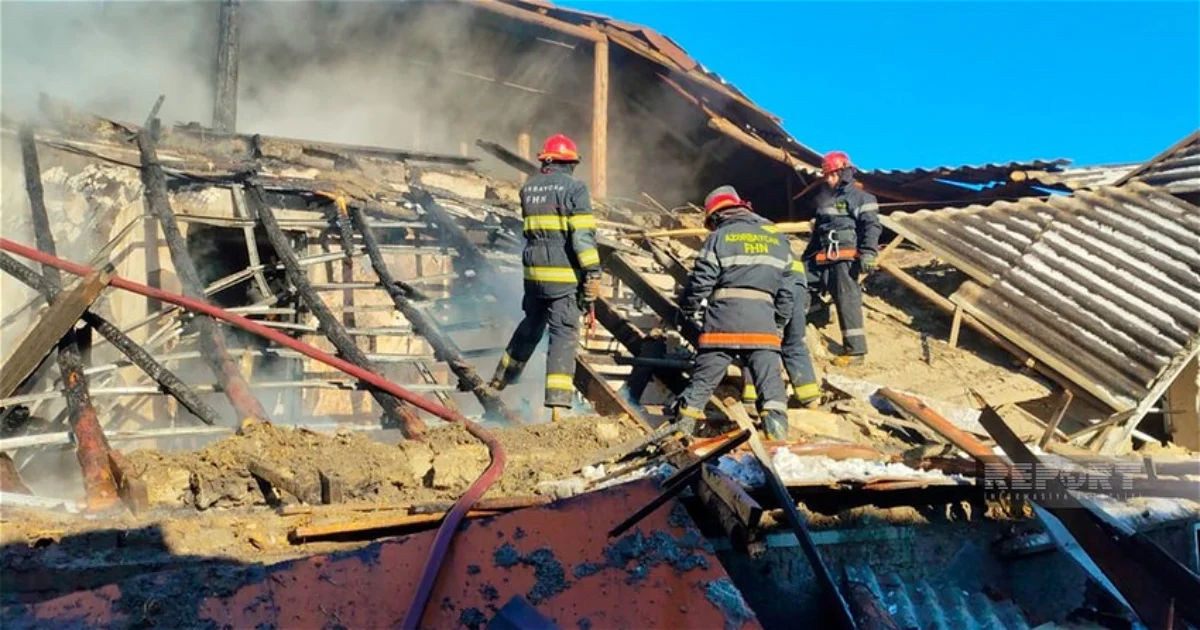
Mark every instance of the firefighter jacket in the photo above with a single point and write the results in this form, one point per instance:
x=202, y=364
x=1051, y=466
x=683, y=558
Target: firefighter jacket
x=745, y=272
x=560, y=233
x=846, y=226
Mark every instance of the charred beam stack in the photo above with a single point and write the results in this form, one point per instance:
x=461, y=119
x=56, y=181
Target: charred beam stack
x=135, y=353
x=397, y=413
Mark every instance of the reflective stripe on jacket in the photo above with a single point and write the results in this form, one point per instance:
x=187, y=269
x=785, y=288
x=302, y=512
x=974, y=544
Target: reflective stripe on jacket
x=745, y=272
x=846, y=226
x=560, y=232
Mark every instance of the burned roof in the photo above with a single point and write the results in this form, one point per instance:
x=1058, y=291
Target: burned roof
x=1102, y=286
x=971, y=183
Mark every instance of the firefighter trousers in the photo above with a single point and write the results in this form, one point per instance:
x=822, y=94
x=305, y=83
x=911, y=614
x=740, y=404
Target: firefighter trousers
x=561, y=316
x=796, y=358
x=841, y=280
x=761, y=365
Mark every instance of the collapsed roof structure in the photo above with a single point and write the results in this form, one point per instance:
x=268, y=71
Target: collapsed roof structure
x=386, y=281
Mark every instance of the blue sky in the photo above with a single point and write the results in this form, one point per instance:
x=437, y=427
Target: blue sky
x=907, y=84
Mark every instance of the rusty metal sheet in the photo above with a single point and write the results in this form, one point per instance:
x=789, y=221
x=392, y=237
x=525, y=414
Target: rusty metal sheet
x=661, y=574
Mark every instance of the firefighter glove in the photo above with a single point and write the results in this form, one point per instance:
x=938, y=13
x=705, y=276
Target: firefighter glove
x=870, y=263
x=591, y=289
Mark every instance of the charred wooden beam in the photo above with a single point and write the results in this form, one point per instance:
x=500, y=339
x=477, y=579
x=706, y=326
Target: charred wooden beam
x=500, y=152
x=444, y=347
x=91, y=445
x=37, y=341
x=605, y=400
x=396, y=413
x=285, y=481
x=587, y=381
x=620, y=267
x=212, y=343
x=136, y=354
x=228, y=43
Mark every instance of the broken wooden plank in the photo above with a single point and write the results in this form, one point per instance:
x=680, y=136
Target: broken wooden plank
x=44, y=334
x=309, y=532
x=913, y=408
x=748, y=511
x=744, y=536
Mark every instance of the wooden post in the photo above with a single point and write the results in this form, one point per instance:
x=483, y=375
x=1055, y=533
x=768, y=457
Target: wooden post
x=956, y=325
x=91, y=447
x=228, y=41
x=525, y=145
x=1183, y=406
x=599, y=155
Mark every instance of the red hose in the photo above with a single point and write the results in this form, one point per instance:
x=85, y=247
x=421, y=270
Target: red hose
x=473, y=493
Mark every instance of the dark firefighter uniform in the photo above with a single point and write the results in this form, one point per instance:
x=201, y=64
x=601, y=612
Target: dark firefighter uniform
x=743, y=281
x=845, y=242
x=560, y=259
x=797, y=360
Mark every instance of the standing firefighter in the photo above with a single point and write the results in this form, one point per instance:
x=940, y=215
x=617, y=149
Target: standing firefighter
x=562, y=271
x=744, y=272
x=845, y=244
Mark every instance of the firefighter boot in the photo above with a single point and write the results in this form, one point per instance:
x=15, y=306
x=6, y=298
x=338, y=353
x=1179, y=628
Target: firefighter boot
x=850, y=360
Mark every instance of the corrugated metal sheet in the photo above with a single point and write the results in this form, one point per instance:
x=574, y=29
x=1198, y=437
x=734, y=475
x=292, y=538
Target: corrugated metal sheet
x=1103, y=286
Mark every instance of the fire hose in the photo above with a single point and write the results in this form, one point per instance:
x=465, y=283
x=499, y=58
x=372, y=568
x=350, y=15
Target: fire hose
x=453, y=518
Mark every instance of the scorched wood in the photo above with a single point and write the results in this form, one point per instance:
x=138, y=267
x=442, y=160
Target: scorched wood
x=212, y=343
x=91, y=446
x=444, y=347
x=397, y=413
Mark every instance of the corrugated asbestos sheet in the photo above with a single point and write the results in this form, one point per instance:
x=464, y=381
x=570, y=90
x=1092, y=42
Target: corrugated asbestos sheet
x=1102, y=286
x=969, y=184
x=1081, y=177
x=1177, y=170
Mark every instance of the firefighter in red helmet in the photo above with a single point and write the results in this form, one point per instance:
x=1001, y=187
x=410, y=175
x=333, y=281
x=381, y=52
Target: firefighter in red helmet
x=844, y=245
x=562, y=271
x=741, y=287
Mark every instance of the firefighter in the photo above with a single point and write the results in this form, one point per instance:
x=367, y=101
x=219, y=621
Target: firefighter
x=844, y=245
x=562, y=271
x=743, y=281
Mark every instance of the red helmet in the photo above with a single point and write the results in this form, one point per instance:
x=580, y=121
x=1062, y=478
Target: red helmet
x=723, y=197
x=835, y=161
x=559, y=148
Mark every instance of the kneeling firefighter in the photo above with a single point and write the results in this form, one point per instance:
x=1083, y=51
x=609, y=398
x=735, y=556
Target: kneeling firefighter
x=562, y=272
x=743, y=274
x=844, y=245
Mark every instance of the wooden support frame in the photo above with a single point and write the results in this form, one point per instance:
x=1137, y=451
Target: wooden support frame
x=605, y=400
x=1052, y=427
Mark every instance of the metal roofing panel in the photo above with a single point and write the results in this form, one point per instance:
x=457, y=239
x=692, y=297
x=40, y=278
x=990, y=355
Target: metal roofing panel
x=1105, y=282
